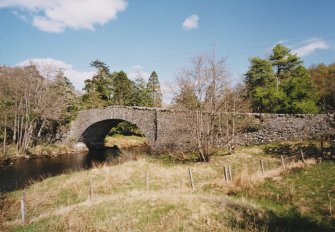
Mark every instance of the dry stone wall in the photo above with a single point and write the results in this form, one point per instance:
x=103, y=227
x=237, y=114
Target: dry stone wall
x=284, y=127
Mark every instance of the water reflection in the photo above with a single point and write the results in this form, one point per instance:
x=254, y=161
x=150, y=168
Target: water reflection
x=18, y=174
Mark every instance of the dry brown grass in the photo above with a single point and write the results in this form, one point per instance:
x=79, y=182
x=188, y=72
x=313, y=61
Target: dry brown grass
x=125, y=141
x=141, y=211
x=247, y=179
x=121, y=203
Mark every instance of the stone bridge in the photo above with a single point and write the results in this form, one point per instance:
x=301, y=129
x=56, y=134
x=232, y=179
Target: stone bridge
x=164, y=129
x=174, y=129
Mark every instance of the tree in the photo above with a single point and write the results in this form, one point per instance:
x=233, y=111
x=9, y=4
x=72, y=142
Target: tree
x=154, y=90
x=280, y=84
x=123, y=89
x=141, y=95
x=65, y=89
x=186, y=98
x=324, y=79
x=204, y=87
x=283, y=63
x=100, y=89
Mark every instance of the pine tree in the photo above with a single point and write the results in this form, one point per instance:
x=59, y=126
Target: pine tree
x=280, y=84
x=141, y=95
x=154, y=90
x=186, y=99
x=123, y=89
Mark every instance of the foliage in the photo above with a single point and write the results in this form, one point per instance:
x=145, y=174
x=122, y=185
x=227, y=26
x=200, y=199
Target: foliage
x=106, y=88
x=280, y=84
x=99, y=89
x=324, y=79
x=123, y=89
x=186, y=98
x=125, y=128
x=141, y=94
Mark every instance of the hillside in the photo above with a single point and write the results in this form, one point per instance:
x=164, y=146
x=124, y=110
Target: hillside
x=294, y=199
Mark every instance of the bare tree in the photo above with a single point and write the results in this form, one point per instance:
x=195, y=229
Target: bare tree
x=204, y=87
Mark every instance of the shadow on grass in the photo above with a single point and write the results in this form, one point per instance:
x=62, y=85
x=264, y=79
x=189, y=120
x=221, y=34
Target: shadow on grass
x=310, y=150
x=295, y=221
x=252, y=219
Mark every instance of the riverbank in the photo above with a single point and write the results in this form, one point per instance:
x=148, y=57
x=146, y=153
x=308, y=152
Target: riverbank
x=49, y=150
x=41, y=151
x=151, y=194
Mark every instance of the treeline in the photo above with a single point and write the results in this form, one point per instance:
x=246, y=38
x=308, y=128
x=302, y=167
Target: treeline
x=115, y=88
x=279, y=83
x=37, y=109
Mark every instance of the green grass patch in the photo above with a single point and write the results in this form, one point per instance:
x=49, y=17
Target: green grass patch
x=299, y=199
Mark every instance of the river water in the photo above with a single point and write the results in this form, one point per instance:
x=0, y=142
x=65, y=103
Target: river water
x=18, y=174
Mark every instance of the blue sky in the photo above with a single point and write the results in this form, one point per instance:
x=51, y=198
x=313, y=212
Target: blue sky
x=142, y=36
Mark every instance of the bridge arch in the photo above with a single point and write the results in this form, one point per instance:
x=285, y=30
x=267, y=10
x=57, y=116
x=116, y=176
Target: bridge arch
x=92, y=126
x=94, y=136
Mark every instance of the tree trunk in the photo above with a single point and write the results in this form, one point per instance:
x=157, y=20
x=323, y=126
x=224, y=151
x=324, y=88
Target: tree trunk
x=233, y=122
x=5, y=136
x=40, y=130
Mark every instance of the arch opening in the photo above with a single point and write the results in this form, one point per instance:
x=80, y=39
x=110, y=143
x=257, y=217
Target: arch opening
x=114, y=133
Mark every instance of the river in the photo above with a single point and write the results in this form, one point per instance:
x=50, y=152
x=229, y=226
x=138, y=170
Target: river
x=18, y=174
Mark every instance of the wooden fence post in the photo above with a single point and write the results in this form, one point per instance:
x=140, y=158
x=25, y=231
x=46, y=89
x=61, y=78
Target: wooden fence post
x=282, y=162
x=330, y=205
x=23, y=208
x=225, y=169
x=191, y=178
x=302, y=156
x=230, y=173
x=147, y=181
x=262, y=165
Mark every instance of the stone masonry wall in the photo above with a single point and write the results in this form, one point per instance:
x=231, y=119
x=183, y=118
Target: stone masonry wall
x=174, y=130
x=283, y=127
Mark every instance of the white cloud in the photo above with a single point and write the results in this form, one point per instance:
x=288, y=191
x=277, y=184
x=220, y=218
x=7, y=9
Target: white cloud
x=20, y=16
x=311, y=46
x=57, y=15
x=45, y=24
x=191, y=22
x=48, y=68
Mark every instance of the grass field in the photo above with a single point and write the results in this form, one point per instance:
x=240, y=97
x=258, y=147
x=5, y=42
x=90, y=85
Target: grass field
x=295, y=199
x=125, y=141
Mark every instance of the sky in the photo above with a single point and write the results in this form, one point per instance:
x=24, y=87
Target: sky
x=161, y=35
